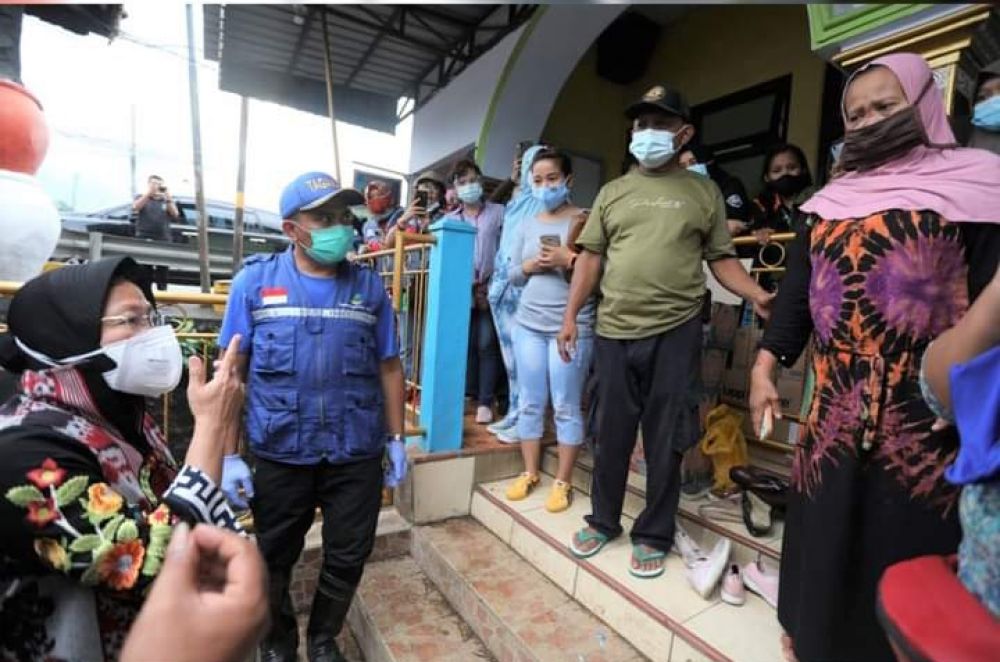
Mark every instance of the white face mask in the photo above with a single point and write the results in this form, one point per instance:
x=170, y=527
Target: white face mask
x=652, y=147
x=149, y=363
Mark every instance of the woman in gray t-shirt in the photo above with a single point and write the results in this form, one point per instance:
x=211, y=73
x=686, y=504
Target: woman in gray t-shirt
x=542, y=262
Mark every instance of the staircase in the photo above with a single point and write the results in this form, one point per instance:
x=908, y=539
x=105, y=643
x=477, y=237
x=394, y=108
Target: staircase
x=483, y=578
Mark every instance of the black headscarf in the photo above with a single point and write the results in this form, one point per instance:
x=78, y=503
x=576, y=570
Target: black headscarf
x=59, y=314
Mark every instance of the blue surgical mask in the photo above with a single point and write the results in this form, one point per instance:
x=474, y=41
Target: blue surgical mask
x=552, y=197
x=987, y=114
x=470, y=193
x=652, y=147
x=699, y=168
x=330, y=245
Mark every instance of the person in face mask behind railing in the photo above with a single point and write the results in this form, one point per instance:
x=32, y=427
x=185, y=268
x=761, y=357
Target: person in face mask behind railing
x=986, y=112
x=884, y=268
x=324, y=403
x=89, y=493
x=653, y=229
x=485, y=365
x=788, y=183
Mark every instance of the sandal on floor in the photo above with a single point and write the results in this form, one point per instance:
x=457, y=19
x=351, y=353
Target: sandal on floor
x=584, y=536
x=644, y=557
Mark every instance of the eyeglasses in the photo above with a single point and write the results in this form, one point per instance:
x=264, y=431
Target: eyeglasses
x=148, y=319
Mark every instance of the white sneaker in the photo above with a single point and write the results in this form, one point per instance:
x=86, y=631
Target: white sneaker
x=484, y=415
x=505, y=423
x=707, y=570
x=508, y=436
x=686, y=547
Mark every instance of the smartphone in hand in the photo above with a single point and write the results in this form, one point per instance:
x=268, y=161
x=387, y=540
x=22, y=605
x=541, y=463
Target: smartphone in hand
x=421, y=198
x=550, y=240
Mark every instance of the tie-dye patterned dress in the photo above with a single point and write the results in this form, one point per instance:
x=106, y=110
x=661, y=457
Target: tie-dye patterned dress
x=867, y=482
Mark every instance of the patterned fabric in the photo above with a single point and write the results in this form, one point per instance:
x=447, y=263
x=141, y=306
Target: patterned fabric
x=867, y=479
x=86, y=518
x=881, y=289
x=979, y=553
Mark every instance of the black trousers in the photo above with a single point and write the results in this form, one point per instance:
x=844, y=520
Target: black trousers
x=284, y=505
x=648, y=382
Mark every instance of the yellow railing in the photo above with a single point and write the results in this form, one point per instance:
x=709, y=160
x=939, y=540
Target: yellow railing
x=404, y=269
x=407, y=285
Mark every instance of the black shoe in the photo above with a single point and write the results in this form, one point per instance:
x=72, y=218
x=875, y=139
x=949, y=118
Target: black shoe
x=324, y=649
x=329, y=610
x=277, y=654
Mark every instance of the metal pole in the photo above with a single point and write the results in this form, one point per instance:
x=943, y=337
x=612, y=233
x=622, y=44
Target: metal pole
x=199, y=191
x=241, y=174
x=328, y=62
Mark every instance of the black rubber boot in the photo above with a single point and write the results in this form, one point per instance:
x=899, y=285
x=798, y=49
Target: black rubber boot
x=329, y=609
x=282, y=641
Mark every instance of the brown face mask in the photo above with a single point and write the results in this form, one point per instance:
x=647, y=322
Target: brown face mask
x=887, y=139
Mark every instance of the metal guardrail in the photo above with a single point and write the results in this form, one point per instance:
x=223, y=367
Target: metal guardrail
x=176, y=257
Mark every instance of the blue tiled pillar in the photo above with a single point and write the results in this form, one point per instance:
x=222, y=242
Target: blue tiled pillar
x=446, y=335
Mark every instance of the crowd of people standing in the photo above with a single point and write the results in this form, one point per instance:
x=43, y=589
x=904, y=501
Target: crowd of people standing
x=892, y=278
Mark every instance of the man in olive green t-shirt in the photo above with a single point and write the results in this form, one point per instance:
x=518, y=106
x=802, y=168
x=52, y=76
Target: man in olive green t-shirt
x=651, y=228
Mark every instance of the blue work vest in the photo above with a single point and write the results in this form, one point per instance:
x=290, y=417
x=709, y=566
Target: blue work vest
x=313, y=386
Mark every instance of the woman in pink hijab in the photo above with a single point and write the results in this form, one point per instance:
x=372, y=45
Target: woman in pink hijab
x=892, y=248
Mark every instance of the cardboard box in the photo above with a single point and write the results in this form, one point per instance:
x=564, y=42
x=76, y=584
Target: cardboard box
x=784, y=431
x=713, y=366
x=736, y=380
x=722, y=328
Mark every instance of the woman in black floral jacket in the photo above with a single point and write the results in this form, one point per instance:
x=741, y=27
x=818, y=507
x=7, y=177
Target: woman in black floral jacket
x=89, y=493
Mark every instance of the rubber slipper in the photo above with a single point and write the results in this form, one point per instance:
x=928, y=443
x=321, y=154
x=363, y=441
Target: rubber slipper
x=644, y=557
x=585, y=536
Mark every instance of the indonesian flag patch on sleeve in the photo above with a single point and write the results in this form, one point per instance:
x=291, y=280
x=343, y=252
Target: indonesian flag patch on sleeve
x=273, y=296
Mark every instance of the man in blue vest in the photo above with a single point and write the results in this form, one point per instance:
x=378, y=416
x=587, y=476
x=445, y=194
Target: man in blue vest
x=324, y=403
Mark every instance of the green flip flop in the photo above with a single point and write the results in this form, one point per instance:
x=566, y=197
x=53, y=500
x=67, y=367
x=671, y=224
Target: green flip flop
x=644, y=557
x=585, y=536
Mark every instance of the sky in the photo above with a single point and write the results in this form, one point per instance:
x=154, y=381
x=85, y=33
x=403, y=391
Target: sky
x=89, y=86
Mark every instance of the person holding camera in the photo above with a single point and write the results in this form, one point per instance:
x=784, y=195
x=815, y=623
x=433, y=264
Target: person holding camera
x=154, y=211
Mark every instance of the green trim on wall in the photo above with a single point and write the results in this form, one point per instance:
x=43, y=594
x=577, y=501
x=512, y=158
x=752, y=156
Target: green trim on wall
x=825, y=28
x=502, y=83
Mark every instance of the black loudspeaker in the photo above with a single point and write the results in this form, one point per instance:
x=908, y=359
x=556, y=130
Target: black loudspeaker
x=625, y=47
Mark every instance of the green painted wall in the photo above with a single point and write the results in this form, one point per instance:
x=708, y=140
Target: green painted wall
x=708, y=53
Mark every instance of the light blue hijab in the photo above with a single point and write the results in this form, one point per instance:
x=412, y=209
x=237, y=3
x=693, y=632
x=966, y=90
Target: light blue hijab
x=523, y=205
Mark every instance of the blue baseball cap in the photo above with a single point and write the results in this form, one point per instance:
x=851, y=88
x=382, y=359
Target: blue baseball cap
x=312, y=190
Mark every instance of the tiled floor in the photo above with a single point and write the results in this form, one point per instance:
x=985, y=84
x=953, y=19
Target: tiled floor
x=581, y=480
x=539, y=621
x=412, y=618
x=603, y=585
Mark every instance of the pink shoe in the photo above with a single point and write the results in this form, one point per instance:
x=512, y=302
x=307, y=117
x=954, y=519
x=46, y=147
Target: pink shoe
x=733, y=592
x=762, y=581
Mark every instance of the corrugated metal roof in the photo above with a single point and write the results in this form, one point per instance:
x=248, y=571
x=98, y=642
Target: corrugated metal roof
x=380, y=53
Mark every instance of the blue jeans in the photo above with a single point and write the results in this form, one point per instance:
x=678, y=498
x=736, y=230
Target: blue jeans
x=503, y=318
x=541, y=372
x=484, y=367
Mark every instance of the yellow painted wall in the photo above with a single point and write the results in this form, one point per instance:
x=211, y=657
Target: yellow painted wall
x=709, y=52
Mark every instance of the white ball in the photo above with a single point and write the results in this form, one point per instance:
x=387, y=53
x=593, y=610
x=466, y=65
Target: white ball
x=29, y=226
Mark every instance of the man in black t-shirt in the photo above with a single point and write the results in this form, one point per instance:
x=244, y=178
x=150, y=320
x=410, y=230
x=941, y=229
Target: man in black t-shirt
x=154, y=211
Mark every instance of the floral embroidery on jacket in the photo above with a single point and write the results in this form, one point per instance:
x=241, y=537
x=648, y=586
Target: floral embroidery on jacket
x=109, y=550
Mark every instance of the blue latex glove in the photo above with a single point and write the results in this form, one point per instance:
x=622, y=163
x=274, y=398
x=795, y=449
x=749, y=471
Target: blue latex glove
x=395, y=470
x=236, y=474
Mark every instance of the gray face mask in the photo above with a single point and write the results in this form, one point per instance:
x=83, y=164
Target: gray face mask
x=148, y=364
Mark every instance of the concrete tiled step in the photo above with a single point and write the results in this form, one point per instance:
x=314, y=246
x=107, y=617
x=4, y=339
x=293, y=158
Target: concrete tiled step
x=519, y=614
x=662, y=617
x=399, y=616
x=746, y=548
